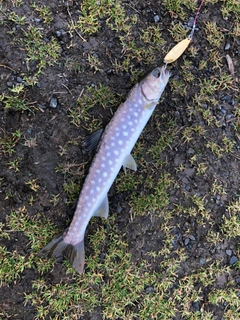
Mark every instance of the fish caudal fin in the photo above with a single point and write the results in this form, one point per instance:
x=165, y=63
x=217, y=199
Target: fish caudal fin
x=58, y=249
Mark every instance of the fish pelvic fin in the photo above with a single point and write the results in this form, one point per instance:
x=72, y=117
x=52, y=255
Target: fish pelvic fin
x=58, y=249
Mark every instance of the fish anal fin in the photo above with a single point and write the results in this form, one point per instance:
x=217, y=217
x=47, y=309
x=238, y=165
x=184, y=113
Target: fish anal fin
x=91, y=141
x=58, y=249
x=103, y=209
x=129, y=163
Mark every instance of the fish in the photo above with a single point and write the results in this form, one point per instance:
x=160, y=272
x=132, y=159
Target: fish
x=114, y=146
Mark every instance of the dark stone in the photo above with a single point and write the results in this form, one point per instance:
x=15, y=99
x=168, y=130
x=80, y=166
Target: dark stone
x=19, y=79
x=149, y=289
x=233, y=260
x=196, y=305
x=227, y=98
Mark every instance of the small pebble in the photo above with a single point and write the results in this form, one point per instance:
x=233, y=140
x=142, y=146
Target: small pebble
x=233, y=260
x=19, y=79
x=58, y=33
x=149, y=289
x=102, y=255
x=156, y=18
x=177, y=114
x=196, y=305
x=227, y=98
x=9, y=84
x=188, y=187
x=229, y=116
x=190, y=151
x=229, y=252
x=53, y=103
x=227, y=46
x=119, y=209
x=238, y=280
x=186, y=241
x=192, y=238
x=202, y=261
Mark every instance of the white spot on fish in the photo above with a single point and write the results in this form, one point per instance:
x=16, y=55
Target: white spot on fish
x=124, y=127
x=107, y=147
x=132, y=129
x=117, y=134
x=105, y=174
x=92, y=182
x=99, y=180
x=91, y=191
x=103, y=158
x=135, y=114
x=98, y=171
x=116, y=152
x=103, y=165
x=125, y=133
x=130, y=123
x=120, y=142
x=98, y=189
x=110, y=162
x=140, y=101
x=108, y=154
x=112, y=144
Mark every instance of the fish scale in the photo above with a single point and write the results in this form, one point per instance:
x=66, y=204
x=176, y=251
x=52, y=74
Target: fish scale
x=114, y=151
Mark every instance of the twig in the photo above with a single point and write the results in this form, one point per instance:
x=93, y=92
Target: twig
x=3, y=66
x=74, y=27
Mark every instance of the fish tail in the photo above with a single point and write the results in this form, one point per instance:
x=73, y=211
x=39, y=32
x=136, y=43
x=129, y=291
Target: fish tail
x=58, y=249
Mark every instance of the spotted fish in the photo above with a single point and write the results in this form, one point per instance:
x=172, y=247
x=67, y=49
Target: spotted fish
x=113, y=152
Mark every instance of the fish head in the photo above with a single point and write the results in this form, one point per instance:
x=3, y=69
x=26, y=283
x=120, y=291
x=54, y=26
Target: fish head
x=153, y=85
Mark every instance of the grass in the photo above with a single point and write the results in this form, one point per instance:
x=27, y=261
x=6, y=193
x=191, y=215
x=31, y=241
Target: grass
x=142, y=268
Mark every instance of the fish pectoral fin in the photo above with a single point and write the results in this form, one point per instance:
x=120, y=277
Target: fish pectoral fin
x=129, y=163
x=91, y=141
x=150, y=105
x=103, y=209
x=58, y=249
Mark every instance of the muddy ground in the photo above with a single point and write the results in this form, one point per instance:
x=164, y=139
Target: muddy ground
x=51, y=132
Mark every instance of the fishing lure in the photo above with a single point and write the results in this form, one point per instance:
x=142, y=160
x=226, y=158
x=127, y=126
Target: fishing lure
x=179, y=48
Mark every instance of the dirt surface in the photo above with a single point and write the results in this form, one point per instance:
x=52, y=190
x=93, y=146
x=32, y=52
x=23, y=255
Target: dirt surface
x=49, y=149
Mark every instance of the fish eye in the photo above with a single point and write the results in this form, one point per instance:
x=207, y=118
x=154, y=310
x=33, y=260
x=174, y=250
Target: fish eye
x=156, y=73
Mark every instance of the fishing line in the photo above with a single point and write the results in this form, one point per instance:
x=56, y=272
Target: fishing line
x=180, y=47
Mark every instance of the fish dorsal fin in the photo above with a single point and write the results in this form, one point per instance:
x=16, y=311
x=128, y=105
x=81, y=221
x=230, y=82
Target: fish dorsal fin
x=103, y=209
x=129, y=163
x=91, y=141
